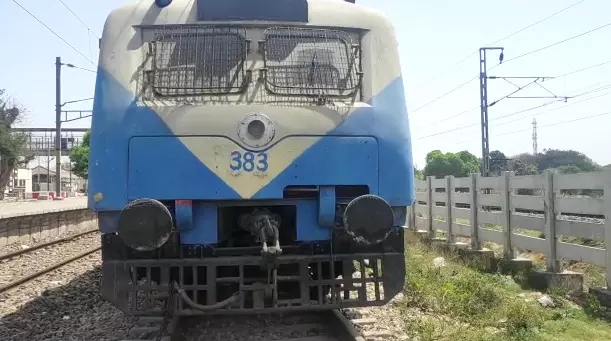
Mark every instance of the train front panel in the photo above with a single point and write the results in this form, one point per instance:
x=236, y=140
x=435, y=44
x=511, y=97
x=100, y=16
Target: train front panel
x=246, y=156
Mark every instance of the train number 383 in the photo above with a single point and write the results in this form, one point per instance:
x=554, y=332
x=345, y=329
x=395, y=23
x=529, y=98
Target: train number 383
x=248, y=161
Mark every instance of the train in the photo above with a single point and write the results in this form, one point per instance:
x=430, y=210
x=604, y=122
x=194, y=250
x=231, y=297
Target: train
x=249, y=156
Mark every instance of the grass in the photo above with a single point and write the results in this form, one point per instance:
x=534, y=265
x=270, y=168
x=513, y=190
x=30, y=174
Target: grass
x=458, y=303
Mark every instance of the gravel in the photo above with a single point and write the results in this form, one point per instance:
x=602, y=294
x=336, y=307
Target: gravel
x=255, y=327
x=37, y=241
x=64, y=305
x=380, y=323
x=389, y=319
x=31, y=262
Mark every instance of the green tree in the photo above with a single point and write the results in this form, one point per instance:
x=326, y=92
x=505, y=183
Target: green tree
x=524, y=164
x=498, y=162
x=418, y=173
x=13, y=151
x=565, y=161
x=569, y=169
x=459, y=164
x=554, y=158
x=80, y=157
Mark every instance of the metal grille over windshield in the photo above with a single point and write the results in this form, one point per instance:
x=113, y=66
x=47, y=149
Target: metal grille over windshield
x=196, y=60
x=310, y=62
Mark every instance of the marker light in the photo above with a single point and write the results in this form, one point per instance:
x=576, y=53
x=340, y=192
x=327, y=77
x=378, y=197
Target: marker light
x=162, y=3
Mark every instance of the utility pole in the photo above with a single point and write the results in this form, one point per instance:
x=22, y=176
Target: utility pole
x=483, y=85
x=49, y=167
x=59, y=121
x=58, y=126
x=535, y=147
x=483, y=80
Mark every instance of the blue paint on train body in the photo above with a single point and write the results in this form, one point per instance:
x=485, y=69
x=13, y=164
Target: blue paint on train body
x=204, y=230
x=308, y=228
x=371, y=147
x=333, y=160
x=264, y=10
x=354, y=161
x=191, y=180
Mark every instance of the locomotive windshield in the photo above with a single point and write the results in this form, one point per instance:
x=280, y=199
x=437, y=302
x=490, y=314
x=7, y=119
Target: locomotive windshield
x=196, y=60
x=310, y=62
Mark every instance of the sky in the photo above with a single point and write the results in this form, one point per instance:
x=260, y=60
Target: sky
x=433, y=37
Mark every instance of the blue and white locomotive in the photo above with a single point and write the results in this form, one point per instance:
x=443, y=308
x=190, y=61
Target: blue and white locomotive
x=249, y=155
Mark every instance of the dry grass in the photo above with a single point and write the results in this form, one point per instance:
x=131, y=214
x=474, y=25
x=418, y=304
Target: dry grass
x=457, y=303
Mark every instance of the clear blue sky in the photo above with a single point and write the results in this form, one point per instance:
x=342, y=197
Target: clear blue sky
x=433, y=36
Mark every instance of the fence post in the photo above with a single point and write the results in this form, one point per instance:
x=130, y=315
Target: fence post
x=429, y=207
x=449, y=206
x=607, y=227
x=412, y=215
x=550, y=221
x=506, y=197
x=475, y=243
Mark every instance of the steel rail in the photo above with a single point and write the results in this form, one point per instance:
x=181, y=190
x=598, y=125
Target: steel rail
x=148, y=328
x=41, y=246
x=44, y=271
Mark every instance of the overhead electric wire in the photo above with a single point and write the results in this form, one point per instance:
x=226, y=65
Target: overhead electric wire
x=557, y=77
x=586, y=68
x=515, y=58
x=595, y=90
x=512, y=114
x=537, y=114
x=447, y=131
x=89, y=30
x=84, y=69
x=554, y=109
x=558, y=43
x=499, y=40
x=594, y=85
x=557, y=123
x=492, y=119
x=544, y=126
x=55, y=33
x=525, y=110
x=515, y=113
x=77, y=18
x=455, y=115
x=445, y=94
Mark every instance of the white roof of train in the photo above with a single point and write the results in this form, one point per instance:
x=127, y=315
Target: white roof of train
x=320, y=13
x=121, y=54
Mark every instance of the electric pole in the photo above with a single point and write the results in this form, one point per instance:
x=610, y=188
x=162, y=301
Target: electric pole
x=535, y=147
x=59, y=121
x=483, y=85
x=483, y=80
x=58, y=126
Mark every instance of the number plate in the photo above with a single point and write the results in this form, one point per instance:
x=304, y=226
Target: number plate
x=244, y=161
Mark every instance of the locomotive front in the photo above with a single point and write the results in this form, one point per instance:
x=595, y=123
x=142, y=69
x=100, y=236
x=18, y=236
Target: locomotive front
x=249, y=155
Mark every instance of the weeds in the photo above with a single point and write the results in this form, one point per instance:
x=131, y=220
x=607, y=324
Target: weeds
x=592, y=307
x=456, y=302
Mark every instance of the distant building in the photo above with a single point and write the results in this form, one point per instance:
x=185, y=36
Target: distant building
x=19, y=182
x=43, y=179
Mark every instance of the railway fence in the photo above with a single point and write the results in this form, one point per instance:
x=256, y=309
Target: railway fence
x=566, y=217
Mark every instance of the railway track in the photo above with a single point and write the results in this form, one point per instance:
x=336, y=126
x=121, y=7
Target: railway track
x=48, y=244
x=310, y=326
x=26, y=252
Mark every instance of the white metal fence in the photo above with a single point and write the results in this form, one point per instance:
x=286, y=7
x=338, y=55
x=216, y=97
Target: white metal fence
x=564, y=216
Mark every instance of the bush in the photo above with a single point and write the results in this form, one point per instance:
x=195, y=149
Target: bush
x=523, y=319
